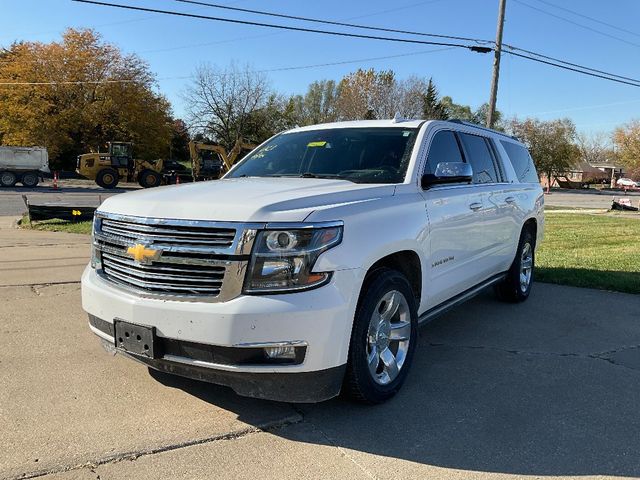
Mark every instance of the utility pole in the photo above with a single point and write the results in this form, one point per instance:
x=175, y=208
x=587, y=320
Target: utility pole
x=496, y=65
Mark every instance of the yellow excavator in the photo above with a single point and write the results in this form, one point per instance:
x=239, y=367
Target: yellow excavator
x=210, y=161
x=108, y=169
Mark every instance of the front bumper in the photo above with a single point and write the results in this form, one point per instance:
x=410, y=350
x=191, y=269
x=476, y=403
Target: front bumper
x=320, y=319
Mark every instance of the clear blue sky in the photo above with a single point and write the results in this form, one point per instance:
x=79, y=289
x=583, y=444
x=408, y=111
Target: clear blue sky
x=174, y=46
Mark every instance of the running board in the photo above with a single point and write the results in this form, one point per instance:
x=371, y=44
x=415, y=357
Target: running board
x=444, y=307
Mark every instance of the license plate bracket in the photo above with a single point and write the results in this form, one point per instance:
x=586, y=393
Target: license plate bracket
x=135, y=339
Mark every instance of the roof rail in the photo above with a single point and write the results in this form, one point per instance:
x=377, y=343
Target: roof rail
x=481, y=127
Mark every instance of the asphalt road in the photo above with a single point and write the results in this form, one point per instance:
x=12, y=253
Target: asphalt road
x=87, y=193
x=587, y=198
x=545, y=388
x=75, y=192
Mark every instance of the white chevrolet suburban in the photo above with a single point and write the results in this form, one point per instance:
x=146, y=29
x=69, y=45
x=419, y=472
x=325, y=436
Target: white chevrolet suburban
x=307, y=269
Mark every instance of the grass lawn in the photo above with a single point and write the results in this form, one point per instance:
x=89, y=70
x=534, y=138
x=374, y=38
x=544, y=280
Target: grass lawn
x=596, y=251
x=57, y=225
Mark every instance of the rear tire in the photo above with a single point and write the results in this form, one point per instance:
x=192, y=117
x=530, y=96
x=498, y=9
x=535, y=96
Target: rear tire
x=516, y=287
x=107, y=178
x=30, y=179
x=7, y=179
x=383, y=340
x=148, y=178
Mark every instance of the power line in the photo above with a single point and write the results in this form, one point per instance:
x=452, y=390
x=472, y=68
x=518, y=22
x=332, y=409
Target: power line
x=635, y=83
x=285, y=27
x=610, y=25
x=529, y=56
x=547, y=57
x=268, y=70
x=331, y=22
x=581, y=25
x=252, y=37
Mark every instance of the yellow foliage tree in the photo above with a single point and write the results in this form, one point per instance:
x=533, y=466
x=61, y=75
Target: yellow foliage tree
x=75, y=95
x=627, y=142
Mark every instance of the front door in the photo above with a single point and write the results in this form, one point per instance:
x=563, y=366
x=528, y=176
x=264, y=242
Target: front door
x=454, y=245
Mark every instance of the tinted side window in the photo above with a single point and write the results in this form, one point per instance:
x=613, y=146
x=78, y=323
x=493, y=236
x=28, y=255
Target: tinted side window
x=444, y=148
x=479, y=156
x=521, y=161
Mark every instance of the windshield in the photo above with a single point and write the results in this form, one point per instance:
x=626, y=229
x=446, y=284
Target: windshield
x=361, y=155
x=120, y=149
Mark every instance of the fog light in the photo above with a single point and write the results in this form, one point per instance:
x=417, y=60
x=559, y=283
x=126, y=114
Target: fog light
x=288, y=353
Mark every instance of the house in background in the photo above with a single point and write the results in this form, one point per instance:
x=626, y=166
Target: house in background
x=613, y=171
x=585, y=173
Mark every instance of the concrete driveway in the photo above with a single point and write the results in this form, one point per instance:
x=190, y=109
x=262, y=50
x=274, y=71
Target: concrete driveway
x=547, y=388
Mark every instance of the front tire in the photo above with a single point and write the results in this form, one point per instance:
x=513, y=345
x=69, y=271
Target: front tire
x=7, y=179
x=107, y=178
x=148, y=178
x=383, y=340
x=516, y=287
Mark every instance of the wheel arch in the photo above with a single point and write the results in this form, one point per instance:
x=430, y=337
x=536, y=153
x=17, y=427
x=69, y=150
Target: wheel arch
x=407, y=262
x=532, y=224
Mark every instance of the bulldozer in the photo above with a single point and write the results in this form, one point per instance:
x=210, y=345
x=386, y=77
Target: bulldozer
x=210, y=161
x=108, y=169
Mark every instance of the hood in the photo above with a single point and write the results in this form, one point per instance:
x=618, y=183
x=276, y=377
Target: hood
x=249, y=199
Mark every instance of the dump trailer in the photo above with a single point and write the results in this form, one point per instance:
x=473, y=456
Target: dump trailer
x=25, y=165
x=118, y=164
x=210, y=161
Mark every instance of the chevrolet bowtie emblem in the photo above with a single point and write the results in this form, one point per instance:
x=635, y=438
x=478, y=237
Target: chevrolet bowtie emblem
x=142, y=254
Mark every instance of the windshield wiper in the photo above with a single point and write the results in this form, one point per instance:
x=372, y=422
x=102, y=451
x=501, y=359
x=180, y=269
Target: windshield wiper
x=311, y=175
x=326, y=175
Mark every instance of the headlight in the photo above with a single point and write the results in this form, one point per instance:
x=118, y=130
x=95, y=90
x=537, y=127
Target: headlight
x=96, y=261
x=282, y=260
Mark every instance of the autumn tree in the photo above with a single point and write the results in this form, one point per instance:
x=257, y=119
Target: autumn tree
x=627, y=142
x=595, y=147
x=220, y=102
x=318, y=105
x=75, y=95
x=276, y=115
x=368, y=94
x=411, y=97
x=551, y=143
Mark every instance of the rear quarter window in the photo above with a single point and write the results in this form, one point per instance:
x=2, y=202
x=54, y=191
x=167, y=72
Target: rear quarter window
x=521, y=161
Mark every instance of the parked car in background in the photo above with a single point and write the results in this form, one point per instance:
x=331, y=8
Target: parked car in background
x=307, y=268
x=24, y=165
x=627, y=183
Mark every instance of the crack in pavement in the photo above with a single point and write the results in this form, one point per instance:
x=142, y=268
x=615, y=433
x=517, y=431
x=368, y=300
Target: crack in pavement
x=343, y=452
x=66, y=245
x=134, y=455
x=604, y=356
x=41, y=285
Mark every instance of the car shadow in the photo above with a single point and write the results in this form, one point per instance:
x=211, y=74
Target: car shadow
x=540, y=388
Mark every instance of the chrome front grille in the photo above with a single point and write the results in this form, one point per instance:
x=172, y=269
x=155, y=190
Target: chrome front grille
x=171, y=234
x=183, y=259
x=163, y=277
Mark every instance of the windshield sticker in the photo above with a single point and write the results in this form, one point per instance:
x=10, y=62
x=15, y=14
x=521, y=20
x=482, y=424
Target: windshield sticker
x=316, y=144
x=406, y=133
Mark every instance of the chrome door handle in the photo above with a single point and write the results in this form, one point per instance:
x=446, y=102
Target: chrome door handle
x=475, y=206
x=510, y=199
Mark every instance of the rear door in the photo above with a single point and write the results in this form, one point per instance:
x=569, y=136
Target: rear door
x=499, y=199
x=455, y=213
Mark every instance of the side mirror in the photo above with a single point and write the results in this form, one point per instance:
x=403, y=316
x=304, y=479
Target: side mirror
x=448, y=172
